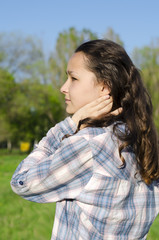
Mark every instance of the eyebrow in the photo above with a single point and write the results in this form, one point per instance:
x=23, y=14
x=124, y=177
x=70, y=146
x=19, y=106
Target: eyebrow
x=70, y=72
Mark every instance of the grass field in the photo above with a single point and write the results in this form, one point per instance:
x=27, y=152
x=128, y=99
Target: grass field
x=23, y=220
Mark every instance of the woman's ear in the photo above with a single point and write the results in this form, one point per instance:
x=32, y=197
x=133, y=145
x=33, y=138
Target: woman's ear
x=104, y=90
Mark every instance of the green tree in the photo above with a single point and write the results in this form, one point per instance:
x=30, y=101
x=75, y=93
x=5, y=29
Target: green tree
x=23, y=56
x=29, y=104
x=147, y=59
x=66, y=43
x=34, y=109
x=111, y=35
x=7, y=90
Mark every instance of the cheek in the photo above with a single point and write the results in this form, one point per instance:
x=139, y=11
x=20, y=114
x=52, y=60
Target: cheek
x=83, y=96
x=90, y=94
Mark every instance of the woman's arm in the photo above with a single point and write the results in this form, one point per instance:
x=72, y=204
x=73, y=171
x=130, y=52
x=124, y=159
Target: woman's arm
x=56, y=166
x=48, y=145
x=60, y=175
x=51, y=142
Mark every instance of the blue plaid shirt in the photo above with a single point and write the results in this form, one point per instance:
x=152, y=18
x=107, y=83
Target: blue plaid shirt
x=95, y=198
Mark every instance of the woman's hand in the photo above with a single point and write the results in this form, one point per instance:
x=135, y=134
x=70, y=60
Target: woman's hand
x=96, y=108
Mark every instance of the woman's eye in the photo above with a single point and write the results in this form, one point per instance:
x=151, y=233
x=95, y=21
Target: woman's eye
x=74, y=79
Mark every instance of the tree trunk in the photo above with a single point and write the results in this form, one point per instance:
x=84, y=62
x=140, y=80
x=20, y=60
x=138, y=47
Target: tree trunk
x=9, y=145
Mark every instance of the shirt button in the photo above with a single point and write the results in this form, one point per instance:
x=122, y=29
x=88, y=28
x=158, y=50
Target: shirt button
x=20, y=182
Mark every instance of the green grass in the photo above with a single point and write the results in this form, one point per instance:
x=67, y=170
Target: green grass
x=23, y=220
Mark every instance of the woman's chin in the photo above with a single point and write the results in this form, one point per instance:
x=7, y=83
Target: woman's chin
x=69, y=111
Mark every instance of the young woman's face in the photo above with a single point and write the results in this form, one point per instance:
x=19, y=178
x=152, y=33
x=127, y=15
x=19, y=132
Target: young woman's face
x=81, y=86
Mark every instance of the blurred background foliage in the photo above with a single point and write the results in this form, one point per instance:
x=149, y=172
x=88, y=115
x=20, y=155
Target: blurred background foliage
x=31, y=103
x=30, y=79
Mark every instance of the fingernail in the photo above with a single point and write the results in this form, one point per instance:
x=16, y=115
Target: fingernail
x=106, y=97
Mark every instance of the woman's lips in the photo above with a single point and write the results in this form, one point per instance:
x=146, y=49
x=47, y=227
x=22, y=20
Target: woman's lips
x=67, y=100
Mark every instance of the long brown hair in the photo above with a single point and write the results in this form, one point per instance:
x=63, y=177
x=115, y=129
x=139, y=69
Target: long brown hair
x=114, y=68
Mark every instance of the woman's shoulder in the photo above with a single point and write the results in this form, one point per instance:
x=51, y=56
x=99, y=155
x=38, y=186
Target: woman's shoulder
x=101, y=132
x=91, y=131
x=105, y=150
x=98, y=138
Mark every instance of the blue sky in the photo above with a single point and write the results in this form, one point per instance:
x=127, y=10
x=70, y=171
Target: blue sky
x=136, y=21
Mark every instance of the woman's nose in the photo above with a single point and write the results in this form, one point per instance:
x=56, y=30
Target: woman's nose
x=64, y=88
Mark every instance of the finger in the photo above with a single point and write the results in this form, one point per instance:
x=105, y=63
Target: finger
x=103, y=104
x=100, y=105
x=99, y=100
x=105, y=110
x=117, y=111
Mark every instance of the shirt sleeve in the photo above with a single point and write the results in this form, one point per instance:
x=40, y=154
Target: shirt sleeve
x=54, y=136
x=54, y=175
x=48, y=145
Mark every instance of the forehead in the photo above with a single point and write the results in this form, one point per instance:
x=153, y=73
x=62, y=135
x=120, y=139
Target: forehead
x=78, y=60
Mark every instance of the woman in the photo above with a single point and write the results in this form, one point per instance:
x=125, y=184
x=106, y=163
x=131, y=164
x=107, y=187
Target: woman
x=101, y=165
